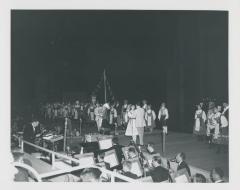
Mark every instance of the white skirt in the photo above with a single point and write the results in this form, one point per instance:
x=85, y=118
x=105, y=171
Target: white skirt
x=131, y=129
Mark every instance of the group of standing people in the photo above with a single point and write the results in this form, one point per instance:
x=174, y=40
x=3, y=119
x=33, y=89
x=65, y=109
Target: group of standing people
x=137, y=118
x=213, y=125
x=133, y=118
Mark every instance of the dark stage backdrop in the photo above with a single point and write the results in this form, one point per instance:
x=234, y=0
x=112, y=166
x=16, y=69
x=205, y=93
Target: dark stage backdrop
x=174, y=56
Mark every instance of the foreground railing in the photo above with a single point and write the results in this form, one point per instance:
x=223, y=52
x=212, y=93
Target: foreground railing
x=112, y=174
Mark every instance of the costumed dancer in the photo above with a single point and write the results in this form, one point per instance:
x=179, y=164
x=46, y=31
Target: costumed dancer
x=49, y=112
x=124, y=113
x=199, y=126
x=131, y=126
x=224, y=125
x=98, y=111
x=217, y=120
x=112, y=116
x=211, y=123
x=225, y=111
x=150, y=118
x=163, y=117
x=118, y=109
x=105, y=118
x=91, y=112
x=221, y=131
x=75, y=114
x=65, y=112
x=144, y=102
x=55, y=112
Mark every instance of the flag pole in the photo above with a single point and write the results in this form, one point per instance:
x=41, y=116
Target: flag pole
x=105, y=89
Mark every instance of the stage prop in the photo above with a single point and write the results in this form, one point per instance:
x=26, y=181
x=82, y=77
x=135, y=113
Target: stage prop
x=104, y=83
x=164, y=132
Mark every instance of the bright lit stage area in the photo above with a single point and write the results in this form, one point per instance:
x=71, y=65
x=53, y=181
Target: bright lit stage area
x=198, y=152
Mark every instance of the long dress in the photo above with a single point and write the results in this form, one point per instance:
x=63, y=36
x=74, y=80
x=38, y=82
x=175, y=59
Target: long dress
x=98, y=116
x=210, y=123
x=199, y=127
x=124, y=114
x=131, y=126
x=221, y=132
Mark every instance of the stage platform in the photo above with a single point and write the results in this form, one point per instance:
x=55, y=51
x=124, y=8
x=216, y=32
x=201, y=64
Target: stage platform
x=197, y=152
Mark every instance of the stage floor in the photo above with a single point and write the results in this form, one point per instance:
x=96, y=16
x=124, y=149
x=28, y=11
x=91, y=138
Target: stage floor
x=197, y=152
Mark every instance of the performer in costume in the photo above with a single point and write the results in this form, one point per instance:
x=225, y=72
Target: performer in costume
x=124, y=113
x=131, y=126
x=49, y=112
x=150, y=118
x=105, y=114
x=75, y=114
x=144, y=102
x=112, y=116
x=65, y=112
x=225, y=111
x=98, y=115
x=118, y=109
x=55, y=112
x=217, y=120
x=163, y=117
x=211, y=123
x=91, y=112
x=221, y=136
x=199, y=126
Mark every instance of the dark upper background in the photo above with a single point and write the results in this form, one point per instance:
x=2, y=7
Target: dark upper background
x=173, y=56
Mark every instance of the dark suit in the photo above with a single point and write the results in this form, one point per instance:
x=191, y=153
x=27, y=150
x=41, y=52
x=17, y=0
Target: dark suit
x=119, y=153
x=159, y=174
x=118, y=149
x=184, y=165
x=29, y=134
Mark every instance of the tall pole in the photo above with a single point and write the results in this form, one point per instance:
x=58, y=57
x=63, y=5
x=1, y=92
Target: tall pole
x=65, y=135
x=163, y=143
x=105, y=89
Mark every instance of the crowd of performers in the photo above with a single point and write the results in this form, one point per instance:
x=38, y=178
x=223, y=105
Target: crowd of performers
x=133, y=118
x=211, y=123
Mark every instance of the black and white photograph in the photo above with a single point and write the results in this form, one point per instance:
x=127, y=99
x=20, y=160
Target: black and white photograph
x=119, y=95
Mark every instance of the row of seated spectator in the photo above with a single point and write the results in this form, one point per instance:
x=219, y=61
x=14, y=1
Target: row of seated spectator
x=94, y=175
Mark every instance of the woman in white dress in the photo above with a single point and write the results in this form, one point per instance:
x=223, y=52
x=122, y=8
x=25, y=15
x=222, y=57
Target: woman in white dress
x=199, y=126
x=131, y=126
